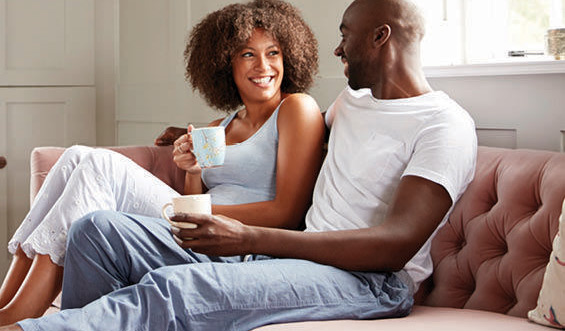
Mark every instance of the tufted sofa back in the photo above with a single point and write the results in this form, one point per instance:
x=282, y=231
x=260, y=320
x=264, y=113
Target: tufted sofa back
x=492, y=253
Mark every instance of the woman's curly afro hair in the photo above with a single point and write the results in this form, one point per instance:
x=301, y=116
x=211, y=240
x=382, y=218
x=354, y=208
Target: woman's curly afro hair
x=220, y=35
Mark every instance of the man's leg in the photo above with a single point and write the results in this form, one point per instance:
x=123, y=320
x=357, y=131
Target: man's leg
x=108, y=250
x=237, y=296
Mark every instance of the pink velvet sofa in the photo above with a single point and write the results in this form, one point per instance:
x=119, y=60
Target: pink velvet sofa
x=489, y=258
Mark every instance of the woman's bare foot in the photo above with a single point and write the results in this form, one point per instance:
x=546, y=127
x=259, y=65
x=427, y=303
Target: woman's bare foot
x=7, y=317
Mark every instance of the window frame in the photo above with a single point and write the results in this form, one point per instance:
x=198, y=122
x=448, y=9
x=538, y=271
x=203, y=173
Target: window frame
x=496, y=69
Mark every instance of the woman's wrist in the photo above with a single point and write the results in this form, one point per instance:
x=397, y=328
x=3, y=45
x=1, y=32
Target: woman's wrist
x=192, y=183
x=190, y=174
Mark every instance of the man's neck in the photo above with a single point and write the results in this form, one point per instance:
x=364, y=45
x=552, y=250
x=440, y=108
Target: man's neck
x=402, y=77
x=400, y=88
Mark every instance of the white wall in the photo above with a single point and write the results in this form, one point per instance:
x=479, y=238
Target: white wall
x=151, y=91
x=511, y=111
x=522, y=111
x=106, y=29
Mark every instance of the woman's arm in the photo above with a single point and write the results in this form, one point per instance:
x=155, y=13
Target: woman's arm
x=193, y=184
x=301, y=134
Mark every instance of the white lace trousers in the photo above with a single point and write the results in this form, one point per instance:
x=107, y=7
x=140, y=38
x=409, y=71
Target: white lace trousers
x=84, y=180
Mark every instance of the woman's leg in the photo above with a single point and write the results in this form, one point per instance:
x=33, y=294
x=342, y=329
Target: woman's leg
x=39, y=288
x=15, y=277
x=103, y=180
x=47, y=196
x=50, y=192
x=99, y=179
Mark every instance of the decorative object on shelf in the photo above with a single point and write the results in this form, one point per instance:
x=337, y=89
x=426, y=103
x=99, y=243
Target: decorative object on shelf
x=524, y=53
x=556, y=43
x=2, y=162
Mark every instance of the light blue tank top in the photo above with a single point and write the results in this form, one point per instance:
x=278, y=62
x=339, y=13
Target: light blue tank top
x=249, y=170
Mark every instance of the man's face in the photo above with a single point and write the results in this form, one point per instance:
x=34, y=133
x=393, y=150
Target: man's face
x=353, y=48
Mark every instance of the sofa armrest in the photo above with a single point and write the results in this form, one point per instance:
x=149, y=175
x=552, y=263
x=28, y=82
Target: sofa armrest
x=42, y=160
x=156, y=159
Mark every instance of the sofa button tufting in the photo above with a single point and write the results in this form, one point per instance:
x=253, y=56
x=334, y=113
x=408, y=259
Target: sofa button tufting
x=504, y=248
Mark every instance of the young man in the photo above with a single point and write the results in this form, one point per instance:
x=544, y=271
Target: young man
x=399, y=157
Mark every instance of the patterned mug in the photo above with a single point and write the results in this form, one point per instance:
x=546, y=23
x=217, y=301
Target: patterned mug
x=209, y=146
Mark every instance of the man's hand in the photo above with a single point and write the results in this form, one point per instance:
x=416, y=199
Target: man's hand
x=169, y=135
x=214, y=235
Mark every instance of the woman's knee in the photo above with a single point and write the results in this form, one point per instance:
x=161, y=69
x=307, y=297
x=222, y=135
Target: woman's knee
x=104, y=161
x=76, y=153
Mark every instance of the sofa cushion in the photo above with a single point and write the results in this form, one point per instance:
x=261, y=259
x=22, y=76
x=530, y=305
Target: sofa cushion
x=551, y=305
x=421, y=319
x=492, y=253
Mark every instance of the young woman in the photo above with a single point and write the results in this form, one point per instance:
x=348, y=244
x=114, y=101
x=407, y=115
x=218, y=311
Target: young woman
x=256, y=58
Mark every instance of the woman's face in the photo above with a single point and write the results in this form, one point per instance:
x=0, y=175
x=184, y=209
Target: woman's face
x=258, y=68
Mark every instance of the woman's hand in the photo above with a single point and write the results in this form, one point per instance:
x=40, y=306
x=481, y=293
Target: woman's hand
x=183, y=156
x=214, y=235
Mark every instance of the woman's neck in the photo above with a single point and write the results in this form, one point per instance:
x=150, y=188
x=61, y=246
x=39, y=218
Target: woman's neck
x=255, y=114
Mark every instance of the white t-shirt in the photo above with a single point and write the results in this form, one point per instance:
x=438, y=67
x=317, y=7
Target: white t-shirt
x=374, y=143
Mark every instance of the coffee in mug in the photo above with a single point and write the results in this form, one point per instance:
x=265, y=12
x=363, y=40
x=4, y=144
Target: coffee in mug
x=188, y=204
x=209, y=146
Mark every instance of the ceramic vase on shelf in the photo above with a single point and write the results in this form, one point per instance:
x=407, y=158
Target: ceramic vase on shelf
x=556, y=43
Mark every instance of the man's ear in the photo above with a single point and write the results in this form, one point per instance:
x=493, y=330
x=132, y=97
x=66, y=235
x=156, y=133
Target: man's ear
x=381, y=35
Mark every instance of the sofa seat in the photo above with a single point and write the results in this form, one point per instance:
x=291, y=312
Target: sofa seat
x=422, y=318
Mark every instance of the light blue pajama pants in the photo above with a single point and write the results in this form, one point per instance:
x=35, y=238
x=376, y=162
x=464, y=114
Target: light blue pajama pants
x=127, y=273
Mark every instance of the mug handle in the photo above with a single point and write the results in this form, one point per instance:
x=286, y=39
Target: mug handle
x=165, y=206
x=180, y=225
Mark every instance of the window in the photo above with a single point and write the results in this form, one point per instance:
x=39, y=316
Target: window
x=463, y=32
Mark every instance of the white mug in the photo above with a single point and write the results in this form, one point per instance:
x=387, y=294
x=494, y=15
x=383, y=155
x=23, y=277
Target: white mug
x=185, y=204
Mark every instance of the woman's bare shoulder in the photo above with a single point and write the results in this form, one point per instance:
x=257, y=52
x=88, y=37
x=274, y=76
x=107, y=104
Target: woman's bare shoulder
x=299, y=103
x=299, y=110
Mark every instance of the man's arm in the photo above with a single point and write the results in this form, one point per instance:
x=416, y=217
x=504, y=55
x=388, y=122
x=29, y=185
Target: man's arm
x=417, y=209
x=169, y=135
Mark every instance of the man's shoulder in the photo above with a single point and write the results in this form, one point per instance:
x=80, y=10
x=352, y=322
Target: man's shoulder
x=444, y=108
